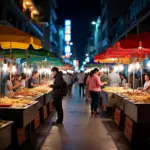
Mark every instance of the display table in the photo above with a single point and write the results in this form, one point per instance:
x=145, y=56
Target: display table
x=5, y=135
x=21, y=116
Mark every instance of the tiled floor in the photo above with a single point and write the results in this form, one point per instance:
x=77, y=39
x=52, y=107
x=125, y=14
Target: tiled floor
x=80, y=131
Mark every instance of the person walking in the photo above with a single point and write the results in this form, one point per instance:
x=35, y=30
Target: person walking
x=95, y=84
x=59, y=91
x=81, y=78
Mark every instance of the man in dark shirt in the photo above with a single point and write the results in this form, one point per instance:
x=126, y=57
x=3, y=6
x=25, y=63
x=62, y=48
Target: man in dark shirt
x=58, y=94
x=33, y=81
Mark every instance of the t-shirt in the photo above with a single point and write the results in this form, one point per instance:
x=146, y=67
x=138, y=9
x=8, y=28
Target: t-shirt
x=146, y=84
x=8, y=83
x=81, y=78
x=114, y=79
x=32, y=80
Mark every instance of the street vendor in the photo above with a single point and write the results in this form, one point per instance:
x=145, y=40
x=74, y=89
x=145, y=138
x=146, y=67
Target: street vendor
x=33, y=81
x=147, y=83
x=43, y=80
x=146, y=87
x=9, y=87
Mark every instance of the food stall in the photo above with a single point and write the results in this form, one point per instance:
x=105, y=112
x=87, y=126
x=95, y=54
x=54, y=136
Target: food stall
x=131, y=110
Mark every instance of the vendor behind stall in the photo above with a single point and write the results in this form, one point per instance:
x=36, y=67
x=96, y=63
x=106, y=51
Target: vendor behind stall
x=114, y=78
x=43, y=80
x=9, y=87
x=33, y=81
x=17, y=81
x=147, y=83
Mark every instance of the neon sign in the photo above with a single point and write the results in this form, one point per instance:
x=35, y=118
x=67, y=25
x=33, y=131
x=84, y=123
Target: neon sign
x=67, y=38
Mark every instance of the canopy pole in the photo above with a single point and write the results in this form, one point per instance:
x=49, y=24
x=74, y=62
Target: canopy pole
x=141, y=77
x=133, y=78
x=10, y=60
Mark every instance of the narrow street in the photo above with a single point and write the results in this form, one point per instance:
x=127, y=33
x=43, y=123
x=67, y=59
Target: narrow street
x=80, y=131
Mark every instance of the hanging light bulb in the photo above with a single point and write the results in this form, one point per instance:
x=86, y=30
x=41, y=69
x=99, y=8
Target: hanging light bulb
x=29, y=71
x=5, y=68
x=14, y=69
x=116, y=68
x=148, y=64
x=137, y=65
x=121, y=67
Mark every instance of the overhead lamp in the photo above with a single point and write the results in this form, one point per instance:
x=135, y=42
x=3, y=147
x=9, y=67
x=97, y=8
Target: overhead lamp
x=31, y=7
x=5, y=68
x=14, y=69
x=121, y=68
x=27, y=3
x=148, y=64
x=93, y=23
x=137, y=65
x=71, y=43
x=35, y=12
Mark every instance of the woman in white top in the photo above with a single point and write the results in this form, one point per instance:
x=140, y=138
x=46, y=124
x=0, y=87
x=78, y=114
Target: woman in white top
x=9, y=85
x=147, y=83
x=123, y=79
x=23, y=81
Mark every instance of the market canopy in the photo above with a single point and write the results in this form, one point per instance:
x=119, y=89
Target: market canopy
x=17, y=53
x=11, y=37
x=139, y=41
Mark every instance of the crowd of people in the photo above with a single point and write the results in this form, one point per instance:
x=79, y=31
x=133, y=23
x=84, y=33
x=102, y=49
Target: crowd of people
x=15, y=82
x=90, y=85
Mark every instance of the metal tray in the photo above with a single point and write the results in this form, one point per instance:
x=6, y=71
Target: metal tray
x=21, y=116
x=5, y=135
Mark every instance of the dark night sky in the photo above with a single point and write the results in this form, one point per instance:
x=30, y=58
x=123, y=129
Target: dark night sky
x=81, y=12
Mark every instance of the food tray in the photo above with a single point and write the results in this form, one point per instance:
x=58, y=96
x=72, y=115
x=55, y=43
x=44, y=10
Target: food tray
x=21, y=116
x=5, y=135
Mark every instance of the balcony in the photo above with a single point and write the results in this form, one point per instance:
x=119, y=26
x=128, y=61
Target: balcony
x=130, y=18
x=26, y=14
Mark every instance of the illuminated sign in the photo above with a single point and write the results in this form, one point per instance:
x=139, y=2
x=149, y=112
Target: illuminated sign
x=67, y=49
x=67, y=22
x=67, y=38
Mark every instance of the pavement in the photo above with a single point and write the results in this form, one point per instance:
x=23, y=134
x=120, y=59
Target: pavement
x=80, y=130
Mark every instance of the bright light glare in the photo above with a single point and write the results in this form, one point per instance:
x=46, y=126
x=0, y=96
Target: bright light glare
x=93, y=22
x=67, y=49
x=14, y=69
x=67, y=22
x=137, y=65
x=148, y=64
x=71, y=43
x=5, y=68
x=27, y=3
x=121, y=68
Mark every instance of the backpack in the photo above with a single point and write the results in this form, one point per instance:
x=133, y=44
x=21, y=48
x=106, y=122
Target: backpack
x=65, y=89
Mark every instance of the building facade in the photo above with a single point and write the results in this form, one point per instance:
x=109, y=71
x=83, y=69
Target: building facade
x=22, y=15
x=48, y=15
x=136, y=20
x=110, y=12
